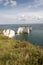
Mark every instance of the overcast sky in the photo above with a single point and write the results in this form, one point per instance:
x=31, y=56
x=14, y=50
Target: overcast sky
x=21, y=11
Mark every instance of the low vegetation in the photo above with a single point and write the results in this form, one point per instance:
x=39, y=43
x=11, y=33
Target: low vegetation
x=13, y=52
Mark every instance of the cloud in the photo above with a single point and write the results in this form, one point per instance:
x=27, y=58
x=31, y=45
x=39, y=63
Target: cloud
x=22, y=17
x=38, y=3
x=30, y=17
x=34, y=4
x=11, y=3
x=6, y=3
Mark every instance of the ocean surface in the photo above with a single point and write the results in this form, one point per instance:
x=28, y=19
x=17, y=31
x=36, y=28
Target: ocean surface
x=35, y=37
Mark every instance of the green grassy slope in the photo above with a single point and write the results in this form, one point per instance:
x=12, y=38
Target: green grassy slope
x=13, y=52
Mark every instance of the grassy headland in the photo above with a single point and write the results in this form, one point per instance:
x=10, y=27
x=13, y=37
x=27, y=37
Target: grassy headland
x=13, y=52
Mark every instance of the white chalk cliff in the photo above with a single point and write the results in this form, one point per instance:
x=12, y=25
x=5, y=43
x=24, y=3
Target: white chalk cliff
x=9, y=33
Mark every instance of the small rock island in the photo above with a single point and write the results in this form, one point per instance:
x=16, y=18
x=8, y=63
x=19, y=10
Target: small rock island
x=24, y=29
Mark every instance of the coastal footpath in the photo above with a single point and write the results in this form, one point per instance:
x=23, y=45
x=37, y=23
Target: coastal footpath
x=16, y=52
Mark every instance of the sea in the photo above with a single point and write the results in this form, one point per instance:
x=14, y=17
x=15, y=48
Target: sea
x=35, y=37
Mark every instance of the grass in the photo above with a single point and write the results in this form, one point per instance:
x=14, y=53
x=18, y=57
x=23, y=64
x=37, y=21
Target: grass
x=13, y=52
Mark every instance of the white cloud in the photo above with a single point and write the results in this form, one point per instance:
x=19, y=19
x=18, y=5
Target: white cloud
x=11, y=3
x=38, y=3
x=6, y=3
x=30, y=17
x=22, y=17
x=35, y=3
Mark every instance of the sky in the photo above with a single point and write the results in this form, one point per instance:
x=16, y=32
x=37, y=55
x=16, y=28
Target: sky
x=21, y=11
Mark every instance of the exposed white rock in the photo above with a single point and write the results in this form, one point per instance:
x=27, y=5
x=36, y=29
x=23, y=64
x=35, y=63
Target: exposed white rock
x=9, y=33
x=20, y=30
x=23, y=30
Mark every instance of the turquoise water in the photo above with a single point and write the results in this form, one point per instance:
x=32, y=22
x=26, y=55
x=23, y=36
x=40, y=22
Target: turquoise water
x=35, y=37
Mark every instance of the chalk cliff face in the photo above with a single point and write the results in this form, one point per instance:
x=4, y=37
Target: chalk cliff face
x=9, y=33
x=20, y=30
x=30, y=28
x=23, y=30
x=26, y=30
